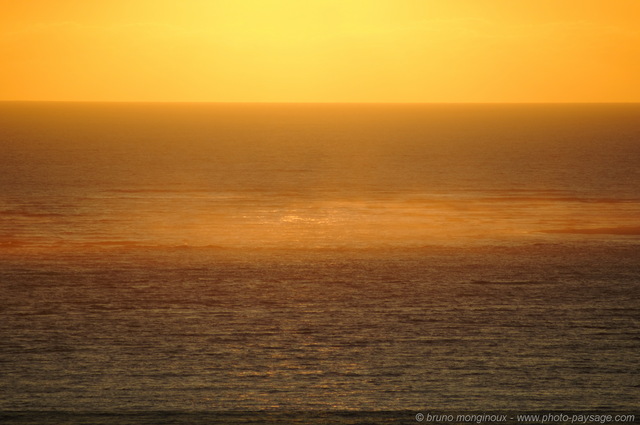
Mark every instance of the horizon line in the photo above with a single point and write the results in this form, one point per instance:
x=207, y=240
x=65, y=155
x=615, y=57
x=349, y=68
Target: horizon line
x=324, y=102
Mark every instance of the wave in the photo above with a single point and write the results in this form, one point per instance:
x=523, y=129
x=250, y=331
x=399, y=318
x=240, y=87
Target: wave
x=560, y=199
x=156, y=190
x=510, y=282
x=23, y=213
x=621, y=230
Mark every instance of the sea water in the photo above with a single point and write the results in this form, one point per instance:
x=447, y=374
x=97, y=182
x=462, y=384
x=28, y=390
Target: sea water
x=278, y=258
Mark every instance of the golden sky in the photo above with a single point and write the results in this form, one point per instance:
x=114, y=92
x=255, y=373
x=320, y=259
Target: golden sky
x=321, y=50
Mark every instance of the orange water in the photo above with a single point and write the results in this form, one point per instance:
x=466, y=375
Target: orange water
x=207, y=258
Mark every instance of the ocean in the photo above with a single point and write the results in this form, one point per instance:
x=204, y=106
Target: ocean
x=317, y=263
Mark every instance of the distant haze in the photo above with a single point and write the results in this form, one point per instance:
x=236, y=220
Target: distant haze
x=316, y=176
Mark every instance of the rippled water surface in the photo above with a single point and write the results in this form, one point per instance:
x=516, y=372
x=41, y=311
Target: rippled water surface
x=208, y=258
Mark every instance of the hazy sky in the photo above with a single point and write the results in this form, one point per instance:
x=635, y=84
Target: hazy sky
x=321, y=50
